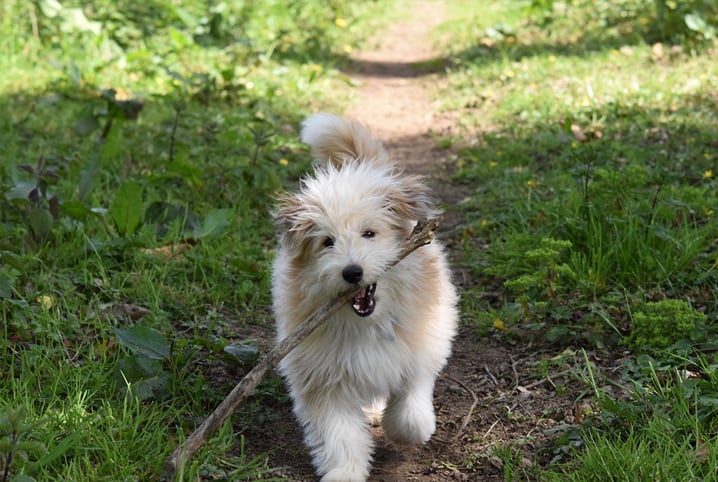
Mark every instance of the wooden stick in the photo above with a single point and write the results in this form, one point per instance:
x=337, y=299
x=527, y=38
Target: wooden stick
x=421, y=235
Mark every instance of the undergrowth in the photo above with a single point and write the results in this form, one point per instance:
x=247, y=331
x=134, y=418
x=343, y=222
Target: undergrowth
x=141, y=147
x=590, y=159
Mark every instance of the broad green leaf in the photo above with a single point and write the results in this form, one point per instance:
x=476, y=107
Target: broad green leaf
x=144, y=341
x=112, y=145
x=696, y=23
x=186, y=170
x=75, y=210
x=126, y=208
x=40, y=221
x=8, y=277
x=143, y=377
x=244, y=353
x=215, y=223
x=50, y=8
x=88, y=178
x=86, y=122
x=22, y=478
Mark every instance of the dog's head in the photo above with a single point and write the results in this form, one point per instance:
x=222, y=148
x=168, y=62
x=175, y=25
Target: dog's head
x=343, y=227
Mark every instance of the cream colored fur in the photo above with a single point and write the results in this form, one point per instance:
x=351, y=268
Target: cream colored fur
x=353, y=211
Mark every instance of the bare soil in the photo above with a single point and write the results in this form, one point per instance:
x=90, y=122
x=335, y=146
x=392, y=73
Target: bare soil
x=493, y=394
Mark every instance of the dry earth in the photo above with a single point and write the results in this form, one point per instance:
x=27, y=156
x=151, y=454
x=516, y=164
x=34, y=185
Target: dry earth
x=492, y=394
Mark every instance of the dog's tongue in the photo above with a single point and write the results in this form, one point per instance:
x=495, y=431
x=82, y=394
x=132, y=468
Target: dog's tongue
x=363, y=303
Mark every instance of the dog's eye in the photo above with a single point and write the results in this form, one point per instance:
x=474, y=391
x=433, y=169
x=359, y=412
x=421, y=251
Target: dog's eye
x=368, y=234
x=328, y=242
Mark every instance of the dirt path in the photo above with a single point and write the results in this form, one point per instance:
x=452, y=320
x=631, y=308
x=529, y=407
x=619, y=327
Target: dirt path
x=394, y=97
x=515, y=407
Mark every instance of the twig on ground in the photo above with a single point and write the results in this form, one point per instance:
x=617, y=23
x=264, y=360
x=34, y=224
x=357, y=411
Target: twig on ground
x=491, y=428
x=467, y=417
x=516, y=373
x=421, y=235
x=491, y=375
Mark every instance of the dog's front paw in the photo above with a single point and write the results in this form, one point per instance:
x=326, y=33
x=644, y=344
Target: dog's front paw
x=344, y=474
x=409, y=424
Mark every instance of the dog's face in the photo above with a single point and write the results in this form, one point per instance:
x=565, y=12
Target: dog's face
x=344, y=226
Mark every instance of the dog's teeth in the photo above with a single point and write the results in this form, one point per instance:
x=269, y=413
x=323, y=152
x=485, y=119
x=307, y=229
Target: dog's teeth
x=363, y=303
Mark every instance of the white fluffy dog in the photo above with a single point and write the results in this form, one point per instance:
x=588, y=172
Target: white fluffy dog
x=388, y=346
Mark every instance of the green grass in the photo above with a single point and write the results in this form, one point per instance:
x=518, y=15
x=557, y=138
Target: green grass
x=591, y=157
x=141, y=147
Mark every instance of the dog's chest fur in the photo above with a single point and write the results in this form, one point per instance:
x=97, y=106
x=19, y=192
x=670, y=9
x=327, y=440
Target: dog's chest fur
x=367, y=360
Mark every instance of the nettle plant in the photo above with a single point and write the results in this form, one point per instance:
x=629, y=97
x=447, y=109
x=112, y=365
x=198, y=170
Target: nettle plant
x=20, y=453
x=43, y=208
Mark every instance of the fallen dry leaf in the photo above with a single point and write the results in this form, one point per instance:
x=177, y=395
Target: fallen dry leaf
x=578, y=133
x=170, y=251
x=702, y=451
x=127, y=310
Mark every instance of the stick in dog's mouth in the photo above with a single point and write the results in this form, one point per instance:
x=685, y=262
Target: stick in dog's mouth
x=363, y=303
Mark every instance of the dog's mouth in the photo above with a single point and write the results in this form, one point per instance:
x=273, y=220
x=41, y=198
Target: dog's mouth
x=363, y=303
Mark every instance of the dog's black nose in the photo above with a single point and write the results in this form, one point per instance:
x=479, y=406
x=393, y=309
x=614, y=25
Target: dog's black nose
x=352, y=273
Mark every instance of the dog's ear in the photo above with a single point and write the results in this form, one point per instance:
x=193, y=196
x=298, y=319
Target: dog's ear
x=409, y=200
x=292, y=218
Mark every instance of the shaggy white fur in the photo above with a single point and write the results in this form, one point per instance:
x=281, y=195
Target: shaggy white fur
x=388, y=346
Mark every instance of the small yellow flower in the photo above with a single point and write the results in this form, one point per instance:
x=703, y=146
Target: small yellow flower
x=340, y=22
x=493, y=164
x=574, y=144
x=284, y=162
x=484, y=223
x=315, y=67
x=347, y=49
x=532, y=184
x=552, y=58
x=499, y=324
x=707, y=174
x=708, y=212
x=45, y=301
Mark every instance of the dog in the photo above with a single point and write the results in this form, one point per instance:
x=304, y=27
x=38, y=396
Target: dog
x=386, y=348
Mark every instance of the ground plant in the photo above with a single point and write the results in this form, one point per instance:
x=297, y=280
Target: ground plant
x=141, y=147
x=591, y=214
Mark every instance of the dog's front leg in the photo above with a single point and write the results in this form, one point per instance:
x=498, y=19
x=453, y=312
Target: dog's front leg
x=337, y=430
x=409, y=415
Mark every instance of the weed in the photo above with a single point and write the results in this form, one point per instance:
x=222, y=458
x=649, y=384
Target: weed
x=17, y=447
x=569, y=143
x=142, y=147
x=662, y=324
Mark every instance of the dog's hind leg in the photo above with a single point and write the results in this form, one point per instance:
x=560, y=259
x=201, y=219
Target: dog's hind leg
x=338, y=433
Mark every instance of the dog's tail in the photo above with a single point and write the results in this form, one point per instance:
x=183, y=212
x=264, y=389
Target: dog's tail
x=336, y=140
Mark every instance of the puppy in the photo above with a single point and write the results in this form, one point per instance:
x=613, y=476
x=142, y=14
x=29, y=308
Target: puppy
x=389, y=344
